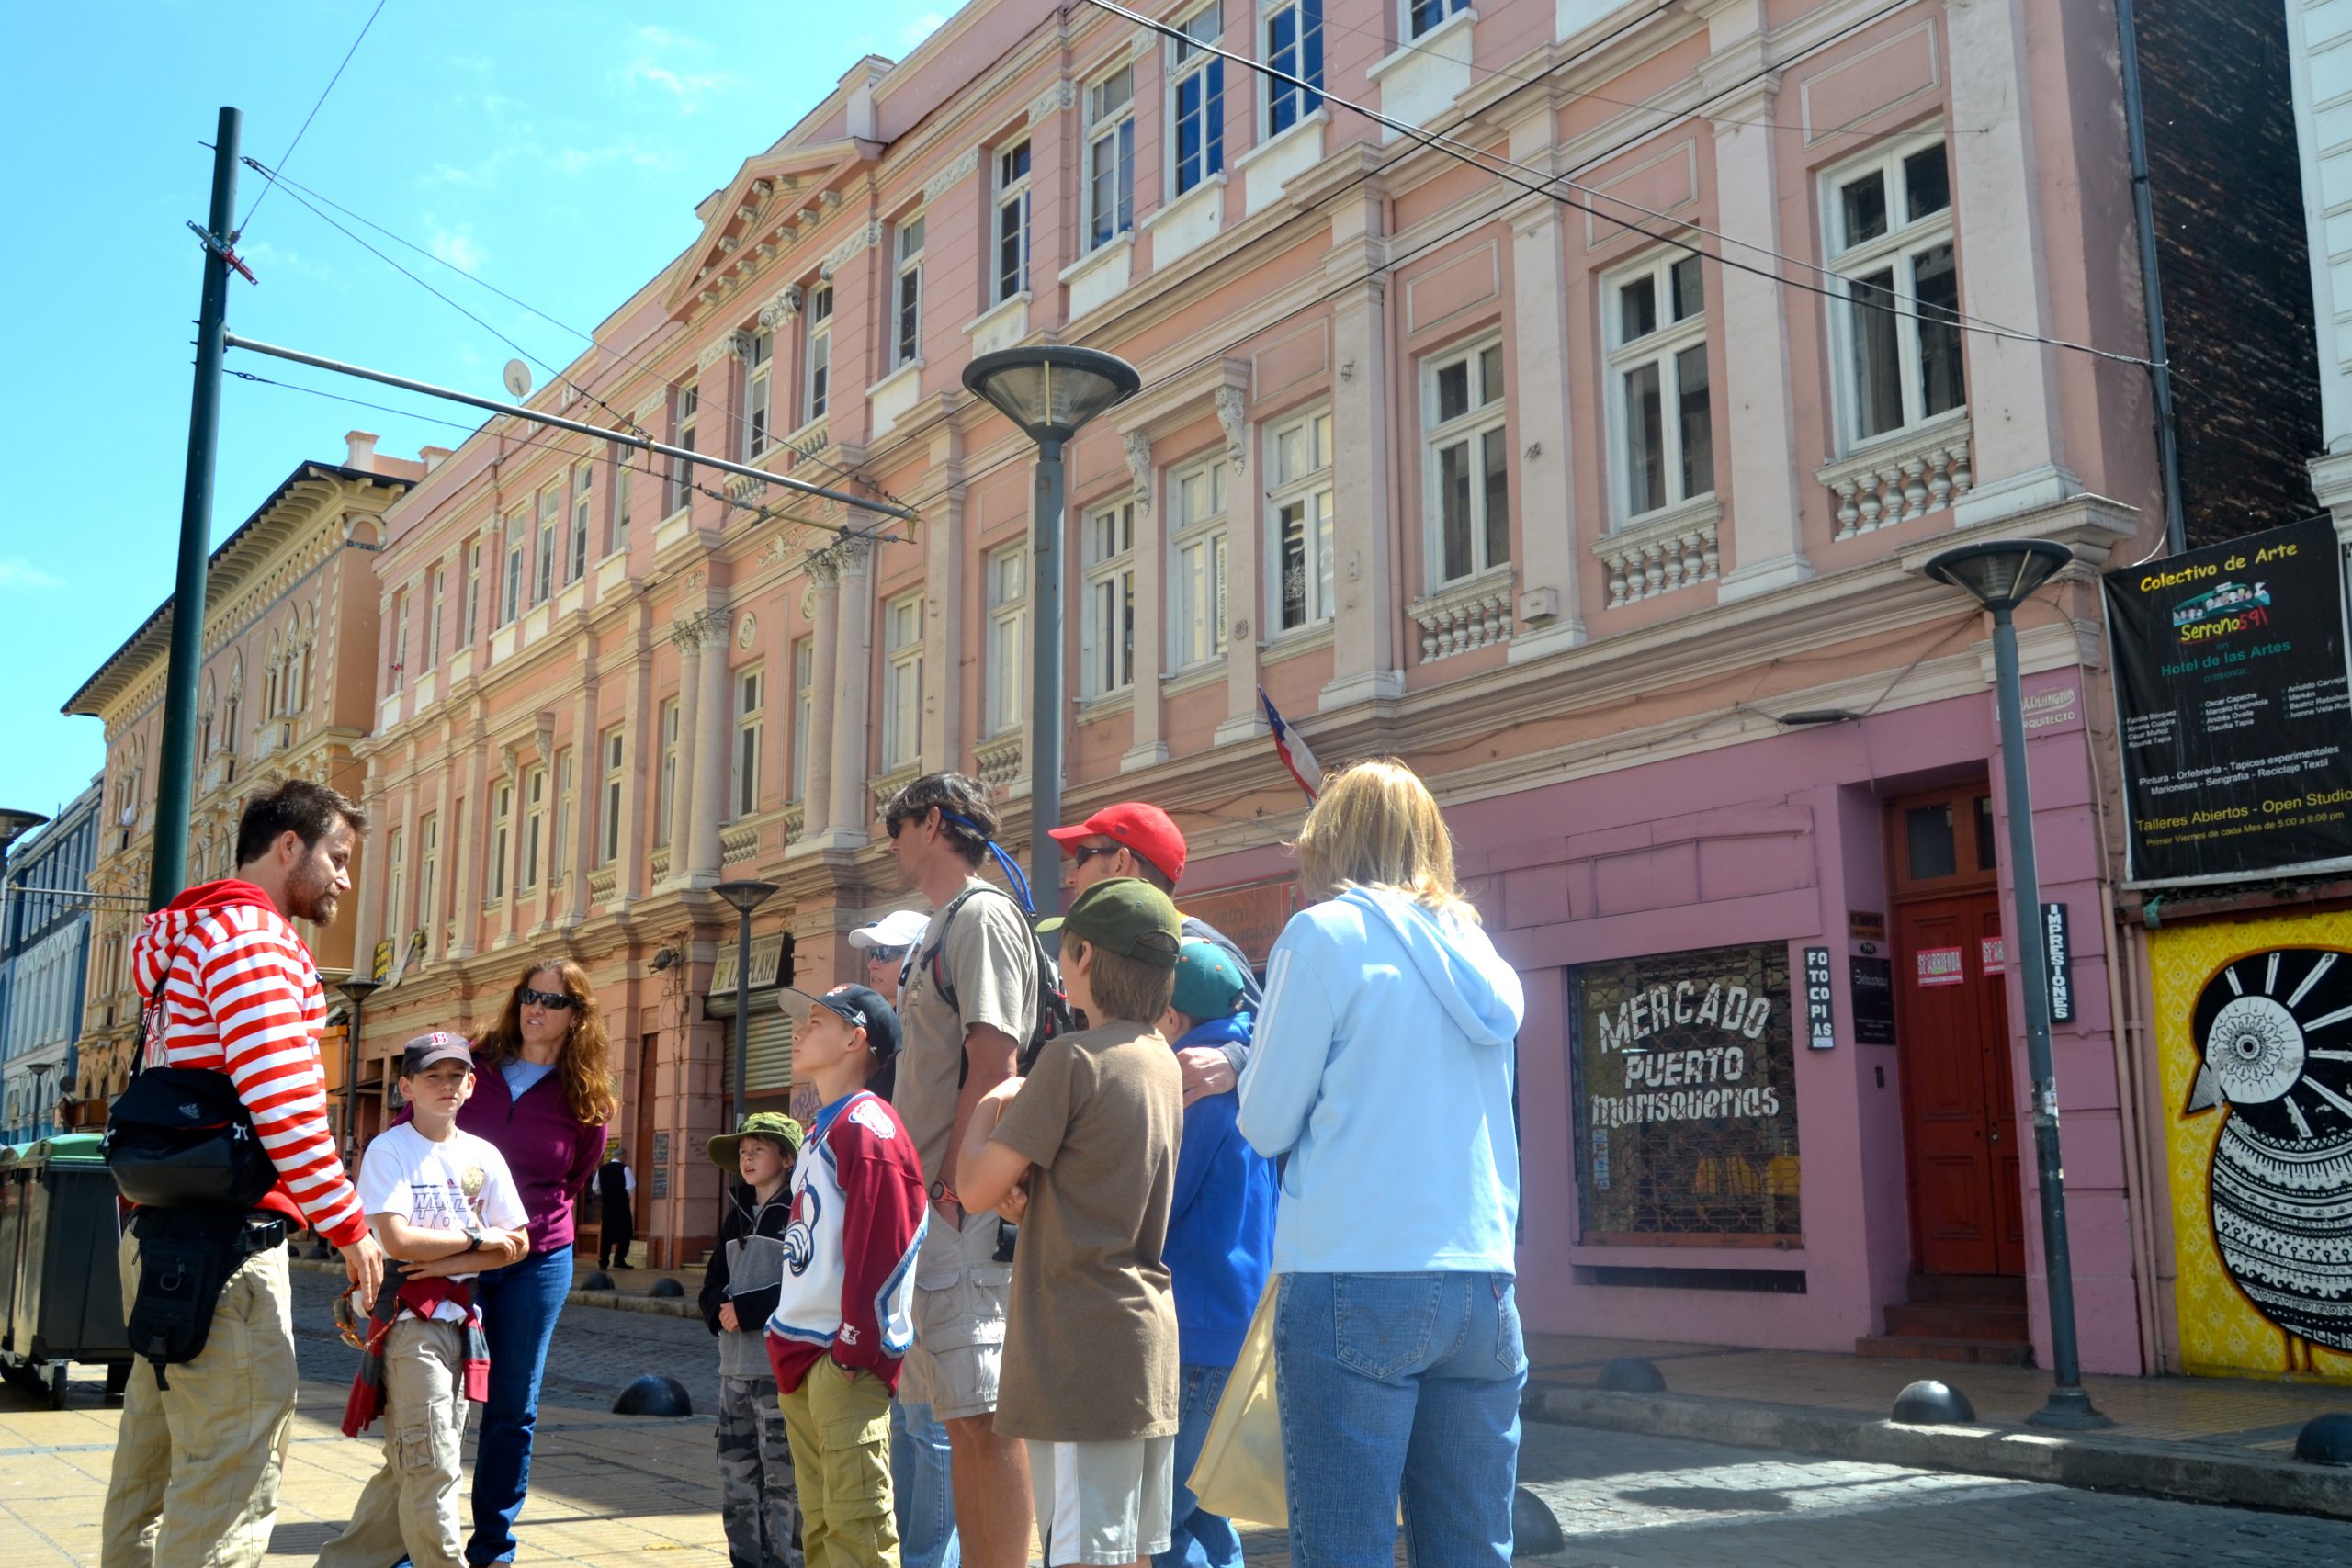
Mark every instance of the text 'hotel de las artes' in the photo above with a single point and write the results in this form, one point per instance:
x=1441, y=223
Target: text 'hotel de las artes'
x=1582, y=447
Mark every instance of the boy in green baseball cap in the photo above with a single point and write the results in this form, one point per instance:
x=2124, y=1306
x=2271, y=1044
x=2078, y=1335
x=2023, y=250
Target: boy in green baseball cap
x=1091, y=1349
x=759, y=1504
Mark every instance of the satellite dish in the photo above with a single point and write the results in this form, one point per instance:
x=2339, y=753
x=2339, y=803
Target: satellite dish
x=518, y=378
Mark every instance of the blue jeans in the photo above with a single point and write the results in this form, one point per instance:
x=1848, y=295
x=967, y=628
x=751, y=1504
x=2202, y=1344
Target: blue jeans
x=519, y=1306
x=923, y=1499
x=1196, y=1537
x=1400, y=1385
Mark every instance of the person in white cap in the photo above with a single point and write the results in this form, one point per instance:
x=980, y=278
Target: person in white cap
x=888, y=943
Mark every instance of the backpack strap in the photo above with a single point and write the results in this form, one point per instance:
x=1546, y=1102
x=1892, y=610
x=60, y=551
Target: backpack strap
x=934, y=956
x=156, y=1005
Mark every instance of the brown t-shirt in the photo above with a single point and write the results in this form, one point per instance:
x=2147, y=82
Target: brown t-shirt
x=992, y=965
x=1089, y=1341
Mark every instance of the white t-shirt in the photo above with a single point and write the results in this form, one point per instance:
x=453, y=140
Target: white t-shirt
x=460, y=1183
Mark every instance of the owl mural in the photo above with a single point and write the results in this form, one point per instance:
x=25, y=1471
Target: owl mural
x=2276, y=1032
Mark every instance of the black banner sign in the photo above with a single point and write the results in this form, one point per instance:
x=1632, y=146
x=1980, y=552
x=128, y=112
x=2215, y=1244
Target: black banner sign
x=1872, y=982
x=1685, y=1081
x=2058, y=962
x=2233, y=707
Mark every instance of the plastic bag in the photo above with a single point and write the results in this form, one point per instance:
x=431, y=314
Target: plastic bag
x=1239, y=1473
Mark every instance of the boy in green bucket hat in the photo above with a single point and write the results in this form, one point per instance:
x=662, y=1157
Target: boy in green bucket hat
x=758, y=1501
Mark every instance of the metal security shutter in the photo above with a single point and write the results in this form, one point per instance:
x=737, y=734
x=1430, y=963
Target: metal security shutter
x=767, y=1065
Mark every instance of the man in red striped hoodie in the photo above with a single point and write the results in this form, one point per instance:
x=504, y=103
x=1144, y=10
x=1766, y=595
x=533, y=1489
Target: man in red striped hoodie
x=197, y=1464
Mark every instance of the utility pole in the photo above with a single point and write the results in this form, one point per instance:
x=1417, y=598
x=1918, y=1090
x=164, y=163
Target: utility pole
x=175, y=782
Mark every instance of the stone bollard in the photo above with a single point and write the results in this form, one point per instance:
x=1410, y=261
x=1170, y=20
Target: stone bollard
x=667, y=1288
x=599, y=1280
x=1630, y=1374
x=1535, y=1533
x=654, y=1395
x=1930, y=1403
x=2325, y=1439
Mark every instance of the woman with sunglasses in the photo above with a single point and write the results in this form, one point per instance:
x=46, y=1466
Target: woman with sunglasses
x=543, y=1094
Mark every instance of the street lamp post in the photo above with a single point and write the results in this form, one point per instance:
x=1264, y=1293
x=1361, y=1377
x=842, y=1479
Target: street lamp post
x=2002, y=574
x=1048, y=393
x=746, y=897
x=357, y=988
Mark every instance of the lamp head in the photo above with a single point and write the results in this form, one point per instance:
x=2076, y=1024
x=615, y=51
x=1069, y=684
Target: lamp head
x=664, y=959
x=14, y=822
x=358, y=988
x=745, y=896
x=1050, y=391
x=2001, y=573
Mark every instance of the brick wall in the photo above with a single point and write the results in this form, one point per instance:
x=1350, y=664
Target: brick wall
x=2231, y=248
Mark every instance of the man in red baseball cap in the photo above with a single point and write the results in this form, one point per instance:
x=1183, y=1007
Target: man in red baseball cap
x=1134, y=837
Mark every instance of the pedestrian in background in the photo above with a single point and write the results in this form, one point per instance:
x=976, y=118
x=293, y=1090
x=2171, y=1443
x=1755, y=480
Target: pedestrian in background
x=757, y=1500
x=543, y=1095
x=199, y=1454
x=615, y=1207
x=1382, y=1068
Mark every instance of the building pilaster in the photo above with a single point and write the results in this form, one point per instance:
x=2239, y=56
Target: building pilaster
x=847, y=810
x=686, y=632
x=716, y=730
x=1997, y=197
x=1549, y=614
x=1767, y=542
x=1364, y=629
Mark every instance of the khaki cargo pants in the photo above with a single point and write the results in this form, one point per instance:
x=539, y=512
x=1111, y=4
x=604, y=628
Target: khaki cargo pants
x=196, y=1465
x=410, y=1507
x=839, y=1423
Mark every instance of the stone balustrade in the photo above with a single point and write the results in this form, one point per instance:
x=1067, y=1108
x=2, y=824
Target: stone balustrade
x=1901, y=478
x=1472, y=614
x=1678, y=551
x=997, y=764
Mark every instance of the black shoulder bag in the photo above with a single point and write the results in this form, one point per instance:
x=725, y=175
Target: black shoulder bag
x=180, y=1137
x=180, y=1146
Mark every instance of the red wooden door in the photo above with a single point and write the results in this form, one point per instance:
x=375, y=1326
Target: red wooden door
x=1967, y=1204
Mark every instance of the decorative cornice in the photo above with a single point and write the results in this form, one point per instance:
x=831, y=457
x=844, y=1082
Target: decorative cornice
x=1052, y=101
x=870, y=233
x=954, y=174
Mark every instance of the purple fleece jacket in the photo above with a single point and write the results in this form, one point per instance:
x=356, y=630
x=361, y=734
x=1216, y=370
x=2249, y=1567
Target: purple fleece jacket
x=551, y=1152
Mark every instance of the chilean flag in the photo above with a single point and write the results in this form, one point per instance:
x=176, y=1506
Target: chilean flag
x=1291, y=745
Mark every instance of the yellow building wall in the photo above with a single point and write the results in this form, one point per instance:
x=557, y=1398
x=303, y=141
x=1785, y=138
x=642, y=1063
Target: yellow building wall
x=2221, y=1334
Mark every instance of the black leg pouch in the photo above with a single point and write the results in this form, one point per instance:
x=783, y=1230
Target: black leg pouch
x=184, y=1259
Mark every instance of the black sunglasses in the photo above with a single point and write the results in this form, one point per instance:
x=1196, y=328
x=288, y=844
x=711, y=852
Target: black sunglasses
x=1085, y=852
x=886, y=954
x=555, y=1000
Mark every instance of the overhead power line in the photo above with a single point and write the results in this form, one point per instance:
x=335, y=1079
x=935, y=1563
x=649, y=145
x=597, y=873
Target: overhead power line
x=262, y=195
x=1540, y=183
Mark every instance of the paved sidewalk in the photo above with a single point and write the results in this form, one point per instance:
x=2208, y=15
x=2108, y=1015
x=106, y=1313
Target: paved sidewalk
x=2201, y=1439
x=605, y=1490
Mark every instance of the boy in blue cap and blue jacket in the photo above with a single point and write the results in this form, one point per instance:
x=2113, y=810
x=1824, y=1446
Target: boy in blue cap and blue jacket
x=1220, y=1235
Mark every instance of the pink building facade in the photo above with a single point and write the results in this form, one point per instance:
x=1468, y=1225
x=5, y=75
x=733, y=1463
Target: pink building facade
x=1501, y=479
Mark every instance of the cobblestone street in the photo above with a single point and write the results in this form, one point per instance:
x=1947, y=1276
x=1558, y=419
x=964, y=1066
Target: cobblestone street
x=597, y=1351
x=1624, y=1501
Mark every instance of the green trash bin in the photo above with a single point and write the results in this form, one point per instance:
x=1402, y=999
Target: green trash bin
x=12, y=1211
x=66, y=1305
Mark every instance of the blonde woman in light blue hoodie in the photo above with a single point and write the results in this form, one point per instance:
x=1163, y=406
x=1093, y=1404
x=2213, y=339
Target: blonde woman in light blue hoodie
x=1382, y=1068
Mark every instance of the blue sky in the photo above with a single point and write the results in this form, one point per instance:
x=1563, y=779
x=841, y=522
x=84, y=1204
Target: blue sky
x=557, y=150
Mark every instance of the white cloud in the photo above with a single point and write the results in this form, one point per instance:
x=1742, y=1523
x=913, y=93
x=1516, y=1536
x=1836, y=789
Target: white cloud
x=19, y=575
x=921, y=27
x=456, y=246
x=678, y=65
